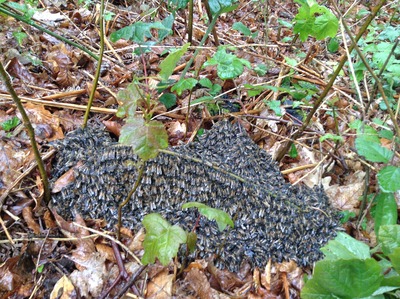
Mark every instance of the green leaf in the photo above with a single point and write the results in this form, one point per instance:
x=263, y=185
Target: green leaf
x=162, y=240
x=389, y=237
x=389, y=178
x=261, y=69
x=293, y=151
x=229, y=66
x=331, y=137
x=222, y=218
x=372, y=151
x=205, y=82
x=395, y=259
x=138, y=32
x=347, y=279
x=168, y=99
x=145, y=138
x=221, y=6
x=333, y=45
x=169, y=63
x=10, y=124
x=385, y=210
x=345, y=247
x=191, y=241
x=275, y=106
x=127, y=99
x=184, y=84
x=242, y=28
x=326, y=24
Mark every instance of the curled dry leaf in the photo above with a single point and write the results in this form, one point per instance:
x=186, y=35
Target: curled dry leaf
x=64, y=180
x=30, y=221
x=198, y=282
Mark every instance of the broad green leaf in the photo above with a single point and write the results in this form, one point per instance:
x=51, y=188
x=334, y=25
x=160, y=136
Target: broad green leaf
x=261, y=69
x=184, y=84
x=345, y=247
x=10, y=124
x=325, y=25
x=168, y=99
x=275, y=106
x=331, y=137
x=389, y=178
x=146, y=138
x=385, y=210
x=205, y=82
x=169, y=63
x=128, y=98
x=389, y=237
x=162, y=240
x=242, y=28
x=222, y=218
x=395, y=259
x=229, y=66
x=333, y=45
x=347, y=279
x=372, y=151
x=219, y=6
x=138, y=32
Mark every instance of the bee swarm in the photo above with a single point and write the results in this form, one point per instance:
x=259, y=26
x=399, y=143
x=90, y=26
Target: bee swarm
x=273, y=219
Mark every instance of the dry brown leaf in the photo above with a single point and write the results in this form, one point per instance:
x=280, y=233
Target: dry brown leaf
x=63, y=289
x=30, y=221
x=18, y=70
x=347, y=197
x=106, y=251
x=64, y=180
x=91, y=279
x=199, y=283
x=160, y=286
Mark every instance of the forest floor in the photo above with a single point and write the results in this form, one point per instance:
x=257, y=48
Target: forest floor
x=276, y=81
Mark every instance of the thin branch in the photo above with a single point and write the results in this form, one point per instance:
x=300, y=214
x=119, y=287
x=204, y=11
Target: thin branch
x=31, y=133
x=321, y=98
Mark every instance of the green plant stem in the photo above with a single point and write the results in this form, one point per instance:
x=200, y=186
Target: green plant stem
x=190, y=22
x=128, y=198
x=327, y=88
x=31, y=133
x=59, y=37
x=371, y=71
x=209, y=14
x=98, y=69
x=202, y=42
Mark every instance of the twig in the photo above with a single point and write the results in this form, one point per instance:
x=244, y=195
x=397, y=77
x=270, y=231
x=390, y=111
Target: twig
x=30, y=131
x=98, y=70
x=320, y=100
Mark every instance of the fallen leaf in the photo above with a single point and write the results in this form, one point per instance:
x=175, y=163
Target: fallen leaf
x=160, y=286
x=63, y=289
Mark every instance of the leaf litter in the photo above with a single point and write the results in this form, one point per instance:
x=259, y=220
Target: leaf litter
x=20, y=270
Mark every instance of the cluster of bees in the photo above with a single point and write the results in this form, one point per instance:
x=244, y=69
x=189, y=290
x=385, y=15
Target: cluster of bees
x=273, y=219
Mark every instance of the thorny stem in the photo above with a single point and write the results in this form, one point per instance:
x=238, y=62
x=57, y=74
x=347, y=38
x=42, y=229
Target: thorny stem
x=31, y=133
x=59, y=37
x=137, y=183
x=321, y=98
x=98, y=70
